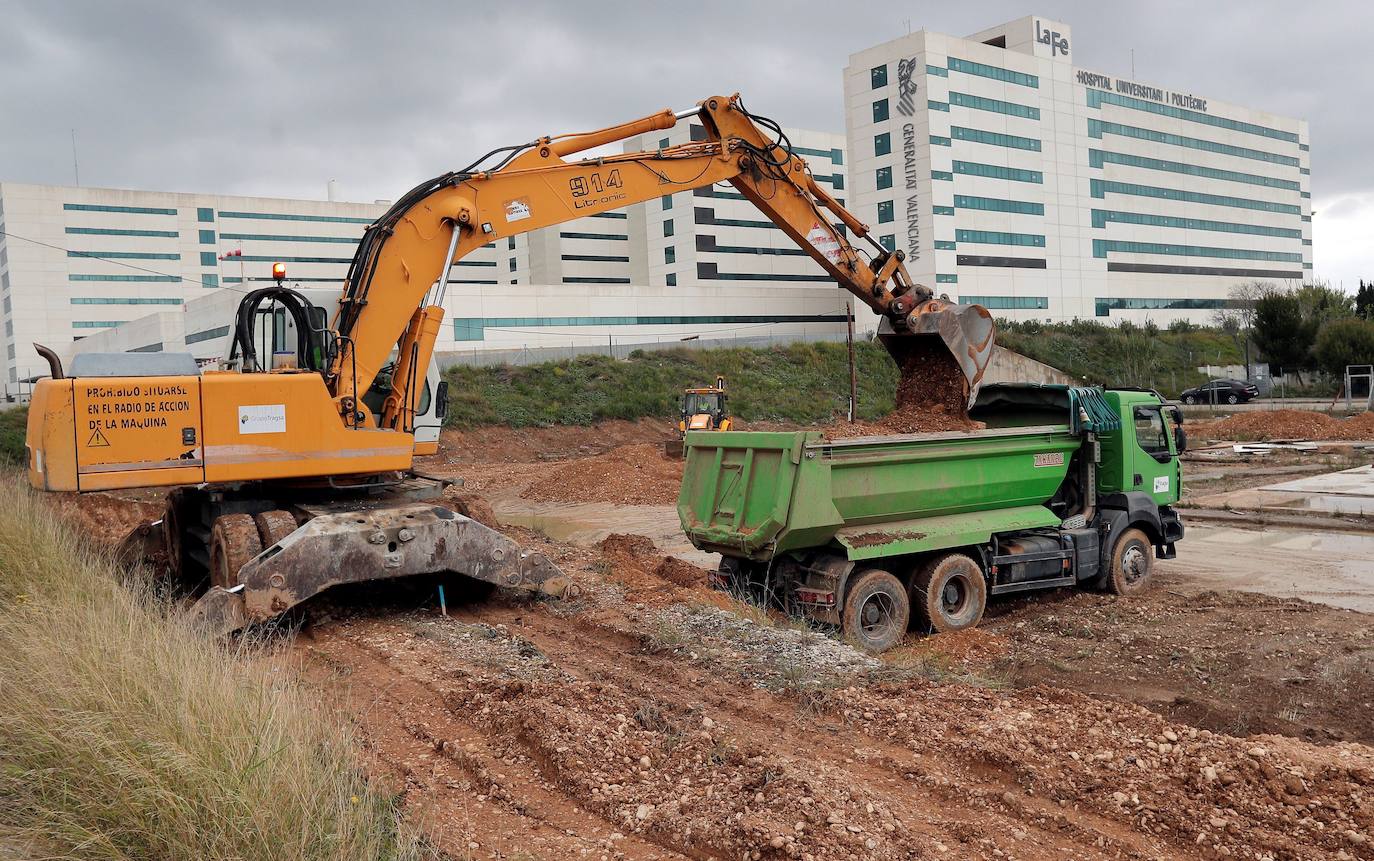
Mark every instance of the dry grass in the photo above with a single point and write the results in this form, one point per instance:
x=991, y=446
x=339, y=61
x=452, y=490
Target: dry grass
x=124, y=734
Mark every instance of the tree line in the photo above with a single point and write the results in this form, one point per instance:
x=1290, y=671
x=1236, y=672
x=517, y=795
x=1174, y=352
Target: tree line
x=1312, y=327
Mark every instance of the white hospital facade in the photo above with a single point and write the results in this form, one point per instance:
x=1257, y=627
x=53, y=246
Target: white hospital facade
x=1008, y=175
x=1013, y=178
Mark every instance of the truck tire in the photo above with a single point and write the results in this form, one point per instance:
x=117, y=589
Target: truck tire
x=876, y=611
x=1131, y=564
x=949, y=593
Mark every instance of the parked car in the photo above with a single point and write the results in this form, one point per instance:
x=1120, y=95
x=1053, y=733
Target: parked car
x=1220, y=392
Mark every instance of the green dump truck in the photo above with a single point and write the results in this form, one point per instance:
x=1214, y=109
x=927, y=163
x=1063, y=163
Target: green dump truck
x=1067, y=485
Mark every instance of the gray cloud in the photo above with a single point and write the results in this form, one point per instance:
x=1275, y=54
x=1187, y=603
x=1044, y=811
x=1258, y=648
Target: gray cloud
x=276, y=98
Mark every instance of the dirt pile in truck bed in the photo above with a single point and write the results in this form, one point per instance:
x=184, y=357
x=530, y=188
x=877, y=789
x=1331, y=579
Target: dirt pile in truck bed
x=932, y=396
x=630, y=475
x=1269, y=425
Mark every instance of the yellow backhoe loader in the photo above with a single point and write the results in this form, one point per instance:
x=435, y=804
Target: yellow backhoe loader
x=699, y=409
x=287, y=483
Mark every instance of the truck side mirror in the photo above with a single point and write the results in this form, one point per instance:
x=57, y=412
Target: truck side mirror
x=441, y=400
x=1180, y=435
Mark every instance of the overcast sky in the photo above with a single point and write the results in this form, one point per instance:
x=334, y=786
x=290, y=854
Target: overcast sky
x=276, y=98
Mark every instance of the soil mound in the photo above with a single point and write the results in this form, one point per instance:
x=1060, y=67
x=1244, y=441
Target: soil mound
x=630, y=475
x=1270, y=425
x=932, y=397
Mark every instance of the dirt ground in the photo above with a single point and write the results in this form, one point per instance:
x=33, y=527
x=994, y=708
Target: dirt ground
x=654, y=718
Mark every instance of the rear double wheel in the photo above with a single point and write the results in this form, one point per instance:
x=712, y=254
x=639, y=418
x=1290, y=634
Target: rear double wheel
x=949, y=593
x=876, y=610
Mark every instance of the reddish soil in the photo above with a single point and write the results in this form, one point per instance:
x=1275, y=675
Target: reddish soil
x=500, y=444
x=630, y=475
x=932, y=396
x=106, y=518
x=1270, y=425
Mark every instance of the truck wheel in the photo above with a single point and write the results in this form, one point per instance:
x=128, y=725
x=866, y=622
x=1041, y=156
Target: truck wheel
x=233, y=541
x=876, y=611
x=1131, y=565
x=950, y=593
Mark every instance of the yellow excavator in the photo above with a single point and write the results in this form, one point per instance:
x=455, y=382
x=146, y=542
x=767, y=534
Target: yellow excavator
x=286, y=483
x=702, y=408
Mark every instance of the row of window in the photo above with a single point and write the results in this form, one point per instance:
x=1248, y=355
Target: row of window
x=1097, y=98
x=994, y=138
x=878, y=74
x=612, y=236
x=281, y=216
x=123, y=300
x=1008, y=303
x=998, y=237
x=1101, y=187
x=1101, y=247
x=1135, y=303
x=125, y=255
x=997, y=106
x=128, y=210
x=1101, y=217
x=474, y=328
x=995, y=204
x=595, y=258
x=1097, y=128
x=993, y=171
x=279, y=237
x=1097, y=158
x=109, y=231
x=143, y=278
x=946, y=279
x=206, y=335
x=96, y=324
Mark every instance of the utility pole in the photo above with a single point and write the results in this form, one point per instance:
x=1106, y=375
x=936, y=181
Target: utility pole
x=76, y=168
x=853, y=377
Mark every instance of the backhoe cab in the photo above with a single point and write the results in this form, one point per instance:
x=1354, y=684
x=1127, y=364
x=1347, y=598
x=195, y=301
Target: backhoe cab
x=701, y=409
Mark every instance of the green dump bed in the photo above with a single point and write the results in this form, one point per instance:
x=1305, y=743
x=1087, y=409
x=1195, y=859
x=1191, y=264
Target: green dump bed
x=756, y=495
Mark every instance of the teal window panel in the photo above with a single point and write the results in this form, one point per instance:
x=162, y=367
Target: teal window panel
x=670, y=254
x=837, y=182
x=883, y=177
x=1007, y=303
x=1103, y=217
x=946, y=279
x=1100, y=188
x=936, y=140
x=667, y=227
x=1307, y=242
x=591, y=280
x=745, y=222
x=209, y=280
x=945, y=245
x=1102, y=247
x=670, y=279
x=1307, y=264
x=1306, y=218
x=941, y=174
x=937, y=71
x=284, y=237
x=825, y=178
x=997, y=204
x=207, y=258
x=837, y=156
x=205, y=215
x=878, y=76
x=207, y=237
x=619, y=215
x=880, y=111
x=1098, y=98
x=663, y=143
x=1000, y=237
x=122, y=300
x=1101, y=127
x=995, y=72
x=942, y=210
x=938, y=106
x=882, y=144
x=994, y=171
x=128, y=210
x=1097, y=158
x=97, y=324
x=666, y=201
x=1305, y=195
x=1303, y=148
x=125, y=255
x=1304, y=171
x=261, y=258
x=748, y=249
x=595, y=258
x=281, y=216
x=577, y=235
x=462, y=263
x=206, y=335
x=885, y=212
x=818, y=153
x=994, y=139
x=997, y=106
x=888, y=241
x=1137, y=303
x=158, y=279
x=109, y=231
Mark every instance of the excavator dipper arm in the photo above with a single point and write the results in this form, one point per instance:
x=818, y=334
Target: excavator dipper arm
x=398, y=276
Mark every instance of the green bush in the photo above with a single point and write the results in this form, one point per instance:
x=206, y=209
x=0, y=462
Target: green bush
x=1349, y=341
x=13, y=423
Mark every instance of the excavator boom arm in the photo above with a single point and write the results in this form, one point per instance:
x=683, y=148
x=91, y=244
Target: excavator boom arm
x=397, y=279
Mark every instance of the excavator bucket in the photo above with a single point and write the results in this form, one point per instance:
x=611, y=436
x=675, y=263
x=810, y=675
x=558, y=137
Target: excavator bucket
x=965, y=330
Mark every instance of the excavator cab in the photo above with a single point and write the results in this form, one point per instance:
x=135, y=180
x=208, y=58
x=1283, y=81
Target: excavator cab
x=699, y=409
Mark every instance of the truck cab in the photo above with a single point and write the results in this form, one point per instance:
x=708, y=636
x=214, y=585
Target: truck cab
x=1066, y=486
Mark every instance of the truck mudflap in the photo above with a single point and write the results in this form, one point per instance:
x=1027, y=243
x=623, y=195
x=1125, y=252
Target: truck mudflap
x=381, y=543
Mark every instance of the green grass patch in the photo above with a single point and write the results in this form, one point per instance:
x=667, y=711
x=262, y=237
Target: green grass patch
x=13, y=423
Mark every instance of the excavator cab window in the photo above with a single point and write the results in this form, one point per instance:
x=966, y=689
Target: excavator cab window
x=696, y=402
